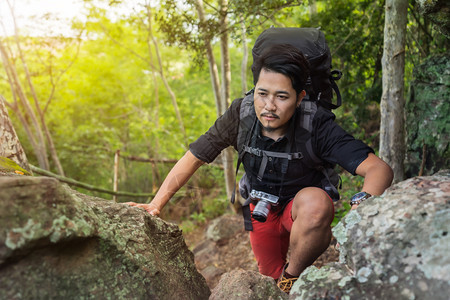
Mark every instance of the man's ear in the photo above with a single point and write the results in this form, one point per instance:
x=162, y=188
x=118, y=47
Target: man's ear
x=300, y=97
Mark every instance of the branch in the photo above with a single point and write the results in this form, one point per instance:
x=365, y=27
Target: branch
x=266, y=17
x=71, y=62
x=163, y=161
x=151, y=160
x=105, y=31
x=86, y=186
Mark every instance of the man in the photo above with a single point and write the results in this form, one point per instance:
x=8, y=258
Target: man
x=301, y=219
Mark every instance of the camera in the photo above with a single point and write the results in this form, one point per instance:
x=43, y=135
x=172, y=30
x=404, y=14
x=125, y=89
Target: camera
x=265, y=201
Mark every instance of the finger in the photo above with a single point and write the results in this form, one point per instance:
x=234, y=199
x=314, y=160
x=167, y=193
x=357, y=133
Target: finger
x=131, y=203
x=154, y=212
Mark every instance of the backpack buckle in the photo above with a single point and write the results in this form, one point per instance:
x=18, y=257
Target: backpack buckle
x=296, y=155
x=255, y=151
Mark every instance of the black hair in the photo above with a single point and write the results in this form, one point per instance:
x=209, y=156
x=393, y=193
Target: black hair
x=285, y=59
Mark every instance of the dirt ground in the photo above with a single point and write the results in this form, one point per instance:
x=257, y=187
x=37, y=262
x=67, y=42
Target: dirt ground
x=214, y=259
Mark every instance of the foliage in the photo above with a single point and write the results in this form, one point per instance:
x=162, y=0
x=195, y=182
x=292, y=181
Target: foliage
x=354, y=32
x=350, y=186
x=428, y=130
x=182, y=28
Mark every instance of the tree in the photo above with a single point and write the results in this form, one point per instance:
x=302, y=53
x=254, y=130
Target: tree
x=10, y=146
x=392, y=131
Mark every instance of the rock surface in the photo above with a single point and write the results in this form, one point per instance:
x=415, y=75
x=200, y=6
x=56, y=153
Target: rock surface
x=438, y=11
x=240, y=284
x=56, y=243
x=225, y=246
x=395, y=246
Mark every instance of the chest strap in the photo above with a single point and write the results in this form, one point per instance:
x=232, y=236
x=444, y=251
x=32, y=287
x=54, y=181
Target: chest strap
x=265, y=157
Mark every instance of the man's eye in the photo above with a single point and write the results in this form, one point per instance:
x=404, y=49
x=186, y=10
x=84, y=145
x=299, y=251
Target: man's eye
x=262, y=94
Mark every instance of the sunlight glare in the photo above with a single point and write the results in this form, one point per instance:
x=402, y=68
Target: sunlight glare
x=39, y=17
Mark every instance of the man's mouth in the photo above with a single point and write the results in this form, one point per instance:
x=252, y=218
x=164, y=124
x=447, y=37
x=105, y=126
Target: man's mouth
x=269, y=116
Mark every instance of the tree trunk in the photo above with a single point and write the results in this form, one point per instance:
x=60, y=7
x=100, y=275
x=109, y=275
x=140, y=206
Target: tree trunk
x=244, y=57
x=226, y=72
x=153, y=146
x=228, y=153
x=312, y=9
x=213, y=71
x=10, y=146
x=392, y=131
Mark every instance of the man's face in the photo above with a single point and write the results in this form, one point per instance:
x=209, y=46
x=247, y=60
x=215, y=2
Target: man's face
x=275, y=102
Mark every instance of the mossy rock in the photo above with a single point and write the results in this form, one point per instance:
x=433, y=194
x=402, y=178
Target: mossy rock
x=56, y=243
x=427, y=111
x=8, y=166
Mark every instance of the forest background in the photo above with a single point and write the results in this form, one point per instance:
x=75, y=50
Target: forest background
x=137, y=80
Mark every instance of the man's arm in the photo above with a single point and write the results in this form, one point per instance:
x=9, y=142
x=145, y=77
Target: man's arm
x=177, y=178
x=377, y=174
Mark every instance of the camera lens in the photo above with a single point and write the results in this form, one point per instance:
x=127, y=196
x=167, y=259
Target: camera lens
x=259, y=217
x=261, y=211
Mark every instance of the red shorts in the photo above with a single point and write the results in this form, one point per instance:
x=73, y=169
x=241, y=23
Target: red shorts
x=270, y=241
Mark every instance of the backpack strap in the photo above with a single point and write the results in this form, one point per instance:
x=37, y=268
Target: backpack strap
x=335, y=75
x=247, y=121
x=309, y=109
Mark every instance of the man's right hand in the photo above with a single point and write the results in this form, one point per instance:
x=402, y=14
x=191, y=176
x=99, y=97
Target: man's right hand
x=150, y=208
x=176, y=178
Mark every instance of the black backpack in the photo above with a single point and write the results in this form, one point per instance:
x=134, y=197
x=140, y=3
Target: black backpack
x=311, y=42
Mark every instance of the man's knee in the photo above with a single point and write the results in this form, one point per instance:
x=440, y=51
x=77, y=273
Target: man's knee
x=314, y=206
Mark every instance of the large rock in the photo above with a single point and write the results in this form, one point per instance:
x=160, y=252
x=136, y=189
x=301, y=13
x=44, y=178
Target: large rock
x=225, y=247
x=438, y=12
x=396, y=246
x=56, y=243
x=246, y=285
x=224, y=228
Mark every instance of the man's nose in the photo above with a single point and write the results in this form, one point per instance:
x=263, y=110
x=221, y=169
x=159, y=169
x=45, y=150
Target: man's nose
x=270, y=104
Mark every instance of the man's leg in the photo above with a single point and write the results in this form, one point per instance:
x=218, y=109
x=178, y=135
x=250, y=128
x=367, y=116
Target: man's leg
x=270, y=244
x=312, y=214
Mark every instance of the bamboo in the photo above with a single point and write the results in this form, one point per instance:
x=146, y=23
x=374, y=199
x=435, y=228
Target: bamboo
x=116, y=173
x=150, y=160
x=86, y=186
